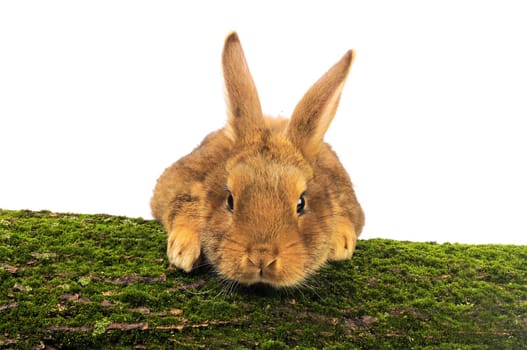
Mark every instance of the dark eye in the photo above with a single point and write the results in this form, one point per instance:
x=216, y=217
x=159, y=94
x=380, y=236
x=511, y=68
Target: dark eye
x=300, y=205
x=230, y=202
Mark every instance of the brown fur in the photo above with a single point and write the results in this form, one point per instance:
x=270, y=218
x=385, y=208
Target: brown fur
x=267, y=165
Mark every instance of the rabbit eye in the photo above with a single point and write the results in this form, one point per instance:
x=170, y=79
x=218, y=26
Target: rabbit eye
x=230, y=202
x=300, y=205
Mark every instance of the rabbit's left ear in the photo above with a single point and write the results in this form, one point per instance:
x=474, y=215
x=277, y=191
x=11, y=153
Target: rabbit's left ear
x=245, y=118
x=315, y=111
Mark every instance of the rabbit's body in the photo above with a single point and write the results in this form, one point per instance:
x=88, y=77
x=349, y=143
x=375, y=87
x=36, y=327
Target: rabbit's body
x=264, y=199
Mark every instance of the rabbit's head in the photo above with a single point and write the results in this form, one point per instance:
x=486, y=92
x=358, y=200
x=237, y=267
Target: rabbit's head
x=271, y=214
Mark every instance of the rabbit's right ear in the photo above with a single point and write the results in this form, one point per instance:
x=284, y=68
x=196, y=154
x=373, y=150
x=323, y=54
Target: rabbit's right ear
x=315, y=111
x=245, y=118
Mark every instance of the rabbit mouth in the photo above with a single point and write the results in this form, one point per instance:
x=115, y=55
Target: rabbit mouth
x=269, y=271
x=258, y=270
x=278, y=265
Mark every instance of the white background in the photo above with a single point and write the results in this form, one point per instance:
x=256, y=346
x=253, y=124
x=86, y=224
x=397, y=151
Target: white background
x=98, y=97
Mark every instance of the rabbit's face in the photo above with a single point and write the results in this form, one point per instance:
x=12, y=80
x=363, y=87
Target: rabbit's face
x=263, y=226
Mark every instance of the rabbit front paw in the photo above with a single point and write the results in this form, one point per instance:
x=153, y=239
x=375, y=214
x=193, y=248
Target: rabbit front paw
x=344, y=241
x=183, y=248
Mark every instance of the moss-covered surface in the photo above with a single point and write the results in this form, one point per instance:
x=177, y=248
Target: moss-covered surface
x=96, y=281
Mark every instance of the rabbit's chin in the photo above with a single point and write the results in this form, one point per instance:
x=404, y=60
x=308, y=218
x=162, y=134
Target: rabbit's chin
x=254, y=276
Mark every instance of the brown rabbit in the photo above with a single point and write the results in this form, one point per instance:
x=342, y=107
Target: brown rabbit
x=265, y=200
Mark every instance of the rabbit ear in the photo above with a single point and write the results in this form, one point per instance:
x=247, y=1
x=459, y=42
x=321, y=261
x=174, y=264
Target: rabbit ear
x=245, y=119
x=315, y=111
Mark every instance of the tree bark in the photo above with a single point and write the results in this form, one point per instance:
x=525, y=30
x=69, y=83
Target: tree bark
x=98, y=281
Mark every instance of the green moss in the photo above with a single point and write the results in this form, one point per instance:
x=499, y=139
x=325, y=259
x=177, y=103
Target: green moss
x=97, y=281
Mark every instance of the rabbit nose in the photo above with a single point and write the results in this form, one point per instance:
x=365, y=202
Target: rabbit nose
x=262, y=262
x=262, y=258
x=264, y=266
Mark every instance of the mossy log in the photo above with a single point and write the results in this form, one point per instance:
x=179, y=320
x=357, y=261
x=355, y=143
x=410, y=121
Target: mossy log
x=97, y=281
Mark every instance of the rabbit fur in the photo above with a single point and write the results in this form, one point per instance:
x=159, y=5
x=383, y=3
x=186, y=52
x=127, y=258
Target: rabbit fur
x=264, y=200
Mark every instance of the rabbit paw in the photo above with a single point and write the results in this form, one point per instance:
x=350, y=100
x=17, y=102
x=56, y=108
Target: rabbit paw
x=183, y=248
x=344, y=241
